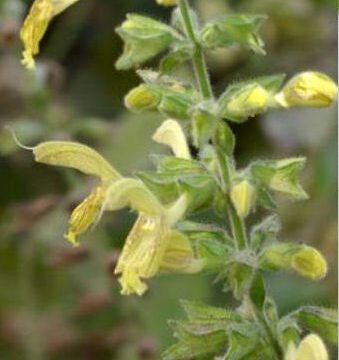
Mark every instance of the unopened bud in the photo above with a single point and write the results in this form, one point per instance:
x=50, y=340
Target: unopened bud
x=310, y=263
x=142, y=98
x=302, y=259
x=246, y=102
x=243, y=196
x=167, y=2
x=308, y=89
x=311, y=348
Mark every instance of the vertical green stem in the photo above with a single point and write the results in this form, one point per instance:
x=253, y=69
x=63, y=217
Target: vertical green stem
x=199, y=62
x=237, y=224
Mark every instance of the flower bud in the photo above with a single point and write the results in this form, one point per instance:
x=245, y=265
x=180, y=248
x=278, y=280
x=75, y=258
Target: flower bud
x=302, y=259
x=246, y=102
x=243, y=196
x=142, y=98
x=308, y=89
x=310, y=263
x=167, y=2
x=311, y=348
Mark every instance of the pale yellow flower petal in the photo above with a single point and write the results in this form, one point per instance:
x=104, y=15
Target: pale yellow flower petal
x=85, y=214
x=171, y=134
x=142, y=253
x=310, y=348
x=77, y=156
x=36, y=24
x=132, y=193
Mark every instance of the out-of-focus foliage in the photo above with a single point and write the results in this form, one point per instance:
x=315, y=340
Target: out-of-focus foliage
x=62, y=303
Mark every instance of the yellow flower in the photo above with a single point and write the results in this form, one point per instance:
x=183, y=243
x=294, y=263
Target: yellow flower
x=171, y=134
x=88, y=161
x=167, y=2
x=36, y=24
x=308, y=89
x=152, y=245
x=310, y=348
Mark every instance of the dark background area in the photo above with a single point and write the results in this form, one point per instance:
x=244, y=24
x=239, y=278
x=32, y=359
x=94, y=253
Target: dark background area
x=63, y=303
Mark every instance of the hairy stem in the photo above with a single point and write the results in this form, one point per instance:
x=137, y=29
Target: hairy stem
x=198, y=56
x=237, y=224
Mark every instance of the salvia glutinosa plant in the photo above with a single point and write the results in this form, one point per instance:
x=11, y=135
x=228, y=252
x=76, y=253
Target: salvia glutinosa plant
x=163, y=239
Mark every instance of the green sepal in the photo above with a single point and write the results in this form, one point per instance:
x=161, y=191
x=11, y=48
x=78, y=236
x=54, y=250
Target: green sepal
x=288, y=332
x=164, y=185
x=302, y=259
x=200, y=190
x=257, y=292
x=319, y=320
x=178, y=165
x=143, y=39
x=270, y=312
x=242, y=101
x=198, y=231
x=265, y=199
x=265, y=232
x=245, y=343
x=203, y=127
x=280, y=176
x=224, y=138
x=234, y=29
x=180, y=53
x=239, y=279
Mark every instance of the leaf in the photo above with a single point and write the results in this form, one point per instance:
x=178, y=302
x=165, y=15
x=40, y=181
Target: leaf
x=76, y=156
x=319, y=320
x=195, y=342
x=199, y=312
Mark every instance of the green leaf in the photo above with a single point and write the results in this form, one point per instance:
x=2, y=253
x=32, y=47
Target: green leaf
x=209, y=315
x=280, y=176
x=234, y=29
x=195, y=342
x=319, y=320
x=246, y=342
x=265, y=232
x=224, y=138
x=143, y=39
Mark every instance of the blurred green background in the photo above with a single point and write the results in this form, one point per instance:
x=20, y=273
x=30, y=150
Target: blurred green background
x=63, y=303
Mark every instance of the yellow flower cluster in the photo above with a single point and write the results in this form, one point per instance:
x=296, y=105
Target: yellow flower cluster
x=153, y=244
